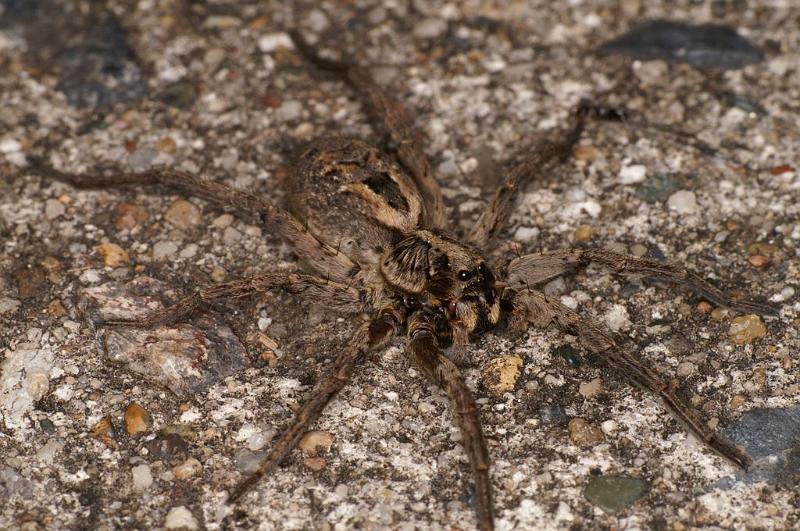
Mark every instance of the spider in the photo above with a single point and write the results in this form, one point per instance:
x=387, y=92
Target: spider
x=373, y=228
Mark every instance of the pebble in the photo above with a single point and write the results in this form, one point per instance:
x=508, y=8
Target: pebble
x=614, y=493
x=180, y=518
x=180, y=94
x=706, y=46
x=164, y=249
x=189, y=468
x=47, y=453
x=638, y=250
x=617, y=318
x=222, y=221
x=584, y=434
x=500, y=374
x=430, y=28
x=113, y=255
x=553, y=414
x=183, y=215
x=704, y=307
x=746, y=328
x=588, y=153
x=555, y=287
x=583, y=233
x=685, y=368
x=315, y=463
x=683, y=202
x=230, y=236
x=54, y=208
x=765, y=249
x=569, y=354
x=137, y=419
x=129, y=216
x=222, y=22
x=142, y=159
x=315, y=441
x=290, y=110
x=317, y=20
x=104, y=432
x=759, y=261
x=30, y=281
x=272, y=41
x=185, y=358
x=526, y=234
x=591, y=389
x=8, y=305
x=142, y=477
x=634, y=173
x=166, y=145
x=609, y=427
x=737, y=401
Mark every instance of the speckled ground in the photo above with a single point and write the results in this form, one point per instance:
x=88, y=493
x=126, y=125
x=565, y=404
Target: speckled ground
x=227, y=97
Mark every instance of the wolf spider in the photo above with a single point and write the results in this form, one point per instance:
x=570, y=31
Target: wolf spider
x=373, y=227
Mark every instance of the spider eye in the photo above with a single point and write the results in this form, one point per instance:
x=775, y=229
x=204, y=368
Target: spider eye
x=464, y=275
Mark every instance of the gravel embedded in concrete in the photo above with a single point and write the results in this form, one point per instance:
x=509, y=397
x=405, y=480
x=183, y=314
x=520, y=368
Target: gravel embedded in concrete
x=484, y=83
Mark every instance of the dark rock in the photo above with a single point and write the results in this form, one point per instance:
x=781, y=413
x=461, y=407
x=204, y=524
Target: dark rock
x=553, y=414
x=614, y=493
x=569, y=354
x=629, y=289
x=745, y=103
x=657, y=187
x=706, y=46
x=168, y=448
x=180, y=95
x=47, y=426
x=772, y=438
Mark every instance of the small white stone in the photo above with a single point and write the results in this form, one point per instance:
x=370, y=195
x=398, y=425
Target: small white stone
x=272, y=41
x=683, y=202
x=189, y=251
x=617, y=318
x=634, y=173
x=142, y=477
x=90, y=276
x=9, y=145
x=608, y=427
x=429, y=28
x=591, y=207
x=162, y=250
x=317, y=20
x=180, y=518
x=8, y=305
x=54, y=208
x=231, y=236
x=289, y=110
x=526, y=234
x=47, y=453
x=555, y=287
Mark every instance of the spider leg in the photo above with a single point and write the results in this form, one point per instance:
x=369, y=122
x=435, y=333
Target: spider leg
x=441, y=370
x=393, y=120
x=369, y=336
x=324, y=258
x=542, y=158
x=540, y=310
x=537, y=268
x=332, y=294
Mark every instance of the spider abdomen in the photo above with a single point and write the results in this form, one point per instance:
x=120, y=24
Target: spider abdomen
x=354, y=198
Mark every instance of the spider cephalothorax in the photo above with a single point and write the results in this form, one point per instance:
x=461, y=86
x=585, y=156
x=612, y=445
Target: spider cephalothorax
x=373, y=229
x=444, y=276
